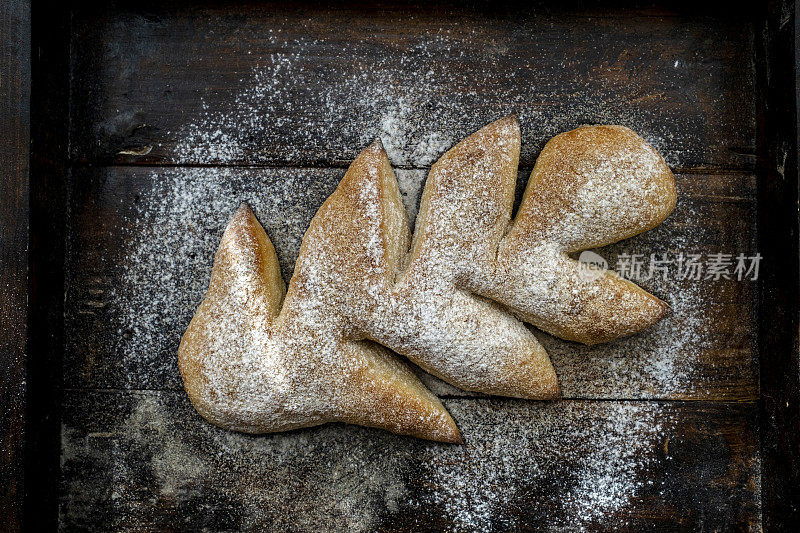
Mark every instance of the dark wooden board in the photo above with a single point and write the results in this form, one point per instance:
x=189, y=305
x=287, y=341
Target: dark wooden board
x=778, y=240
x=147, y=462
x=179, y=111
x=48, y=200
x=15, y=53
x=142, y=240
x=306, y=85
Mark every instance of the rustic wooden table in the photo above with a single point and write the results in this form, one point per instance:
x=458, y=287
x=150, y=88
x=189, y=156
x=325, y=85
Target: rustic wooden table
x=153, y=123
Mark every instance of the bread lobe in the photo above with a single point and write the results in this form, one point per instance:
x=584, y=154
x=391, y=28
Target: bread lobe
x=259, y=358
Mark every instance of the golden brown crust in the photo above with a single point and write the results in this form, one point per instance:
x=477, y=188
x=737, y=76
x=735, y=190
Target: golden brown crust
x=252, y=364
x=590, y=187
x=249, y=368
x=437, y=321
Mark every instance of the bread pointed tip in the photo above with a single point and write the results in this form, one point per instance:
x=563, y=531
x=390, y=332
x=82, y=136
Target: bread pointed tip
x=376, y=146
x=371, y=155
x=507, y=127
x=439, y=429
x=546, y=388
x=454, y=438
x=553, y=391
x=509, y=121
x=448, y=432
x=243, y=213
x=244, y=208
x=243, y=221
x=436, y=425
x=664, y=309
x=653, y=309
x=430, y=420
x=511, y=118
x=536, y=378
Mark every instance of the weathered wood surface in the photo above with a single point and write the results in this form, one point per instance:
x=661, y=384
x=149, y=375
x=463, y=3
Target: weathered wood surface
x=779, y=51
x=298, y=85
x=48, y=201
x=15, y=79
x=273, y=85
x=142, y=240
x=147, y=462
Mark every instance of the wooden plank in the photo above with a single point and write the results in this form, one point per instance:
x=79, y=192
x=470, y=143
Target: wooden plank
x=147, y=461
x=15, y=56
x=48, y=201
x=779, y=61
x=298, y=85
x=142, y=240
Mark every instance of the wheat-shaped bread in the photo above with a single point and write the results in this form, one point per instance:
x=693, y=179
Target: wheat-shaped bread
x=257, y=362
x=452, y=301
x=590, y=187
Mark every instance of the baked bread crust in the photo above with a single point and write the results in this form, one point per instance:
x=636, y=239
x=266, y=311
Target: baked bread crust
x=590, y=187
x=255, y=362
x=453, y=301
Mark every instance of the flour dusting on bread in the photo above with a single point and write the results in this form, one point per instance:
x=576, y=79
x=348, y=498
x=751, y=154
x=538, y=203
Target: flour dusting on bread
x=313, y=369
x=356, y=281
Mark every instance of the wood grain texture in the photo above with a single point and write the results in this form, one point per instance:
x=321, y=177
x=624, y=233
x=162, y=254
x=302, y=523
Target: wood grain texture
x=48, y=201
x=300, y=85
x=147, y=462
x=235, y=94
x=142, y=239
x=779, y=55
x=15, y=78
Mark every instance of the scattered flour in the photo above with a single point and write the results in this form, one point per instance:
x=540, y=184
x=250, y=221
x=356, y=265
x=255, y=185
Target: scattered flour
x=585, y=460
x=176, y=232
x=171, y=239
x=156, y=453
x=178, y=226
x=274, y=95
x=566, y=466
x=414, y=101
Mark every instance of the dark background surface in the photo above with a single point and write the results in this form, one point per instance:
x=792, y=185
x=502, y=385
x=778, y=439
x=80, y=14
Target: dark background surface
x=150, y=124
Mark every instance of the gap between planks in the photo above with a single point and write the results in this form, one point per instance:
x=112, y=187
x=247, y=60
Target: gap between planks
x=81, y=165
x=466, y=396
